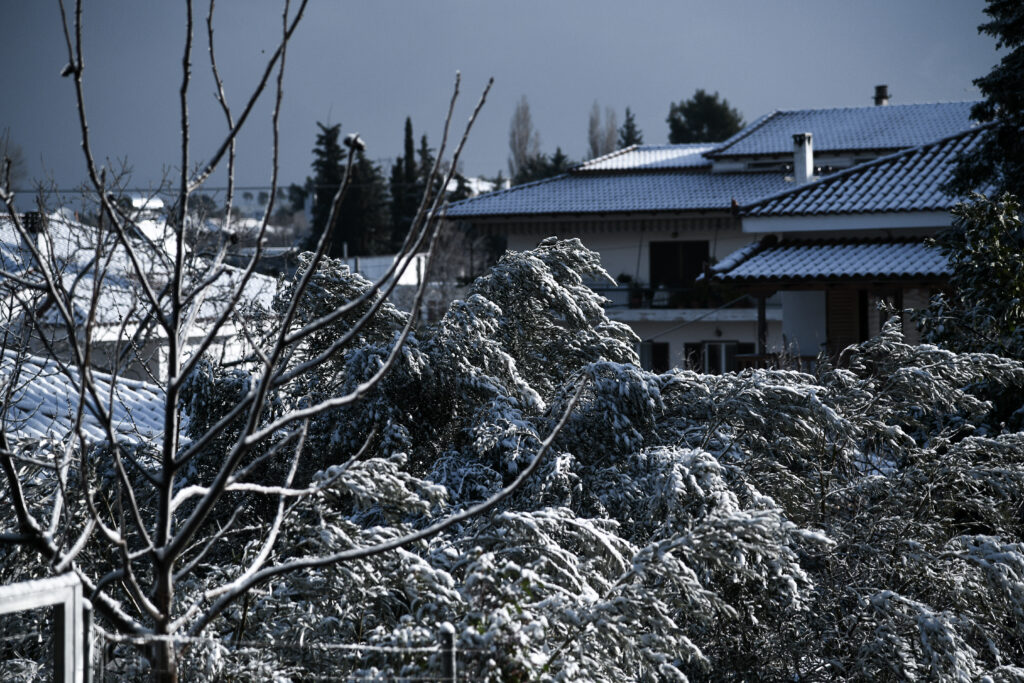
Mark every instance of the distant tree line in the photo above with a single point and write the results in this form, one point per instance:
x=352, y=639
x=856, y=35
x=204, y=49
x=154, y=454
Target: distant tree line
x=376, y=213
x=701, y=118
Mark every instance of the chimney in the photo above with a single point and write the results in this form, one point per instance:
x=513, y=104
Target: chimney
x=881, y=95
x=803, y=158
x=34, y=221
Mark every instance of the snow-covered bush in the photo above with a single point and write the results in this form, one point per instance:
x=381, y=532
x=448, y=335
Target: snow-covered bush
x=863, y=522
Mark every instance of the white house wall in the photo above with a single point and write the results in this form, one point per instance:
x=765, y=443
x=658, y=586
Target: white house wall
x=629, y=252
x=907, y=220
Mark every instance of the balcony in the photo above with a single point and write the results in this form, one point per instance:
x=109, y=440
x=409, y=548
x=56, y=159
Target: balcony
x=636, y=303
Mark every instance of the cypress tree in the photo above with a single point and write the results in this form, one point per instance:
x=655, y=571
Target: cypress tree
x=405, y=195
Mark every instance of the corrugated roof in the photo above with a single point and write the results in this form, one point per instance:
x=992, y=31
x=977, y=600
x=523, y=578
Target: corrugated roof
x=911, y=180
x=849, y=129
x=838, y=259
x=650, y=158
x=44, y=403
x=599, y=193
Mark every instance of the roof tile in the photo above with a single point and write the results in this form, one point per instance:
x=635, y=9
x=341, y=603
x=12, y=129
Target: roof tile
x=599, y=193
x=817, y=260
x=849, y=129
x=910, y=180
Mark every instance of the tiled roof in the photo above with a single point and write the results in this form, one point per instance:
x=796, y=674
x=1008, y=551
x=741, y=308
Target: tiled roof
x=838, y=259
x=73, y=249
x=906, y=181
x=849, y=129
x=44, y=403
x=650, y=158
x=600, y=193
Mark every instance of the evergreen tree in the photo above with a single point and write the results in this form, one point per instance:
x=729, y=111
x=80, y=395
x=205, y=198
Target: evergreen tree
x=702, y=118
x=999, y=159
x=540, y=166
x=629, y=134
x=363, y=220
x=328, y=168
x=405, y=193
x=426, y=166
x=983, y=309
x=298, y=194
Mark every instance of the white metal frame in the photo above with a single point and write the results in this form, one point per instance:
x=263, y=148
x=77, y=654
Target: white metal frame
x=64, y=594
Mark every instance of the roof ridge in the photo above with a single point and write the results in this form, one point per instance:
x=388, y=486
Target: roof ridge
x=507, y=190
x=863, y=166
x=874, y=107
x=746, y=131
x=852, y=239
x=605, y=156
x=723, y=148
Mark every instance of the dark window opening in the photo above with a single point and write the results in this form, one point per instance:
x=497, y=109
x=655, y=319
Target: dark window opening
x=675, y=265
x=863, y=329
x=716, y=357
x=654, y=356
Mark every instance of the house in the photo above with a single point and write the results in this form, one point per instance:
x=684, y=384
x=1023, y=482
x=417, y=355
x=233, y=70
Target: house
x=96, y=272
x=662, y=215
x=835, y=247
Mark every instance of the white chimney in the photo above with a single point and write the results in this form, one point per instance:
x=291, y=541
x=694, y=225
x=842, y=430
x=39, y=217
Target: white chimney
x=803, y=158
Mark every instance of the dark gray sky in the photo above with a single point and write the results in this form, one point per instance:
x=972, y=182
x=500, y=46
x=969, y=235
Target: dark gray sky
x=368, y=65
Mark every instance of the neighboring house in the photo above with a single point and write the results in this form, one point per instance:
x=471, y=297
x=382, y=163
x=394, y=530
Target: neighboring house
x=835, y=247
x=441, y=288
x=663, y=215
x=103, y=290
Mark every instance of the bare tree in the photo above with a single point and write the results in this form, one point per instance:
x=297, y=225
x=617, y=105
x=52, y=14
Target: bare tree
x=523, y=138
x=601, y=136
x=140, y=519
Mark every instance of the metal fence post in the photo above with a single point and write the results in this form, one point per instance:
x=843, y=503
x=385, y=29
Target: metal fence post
x=64, y=593
x=446, y=635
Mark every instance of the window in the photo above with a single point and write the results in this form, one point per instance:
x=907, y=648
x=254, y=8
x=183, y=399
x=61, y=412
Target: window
x=675, y=265
x=654, y=356
x=716, y=357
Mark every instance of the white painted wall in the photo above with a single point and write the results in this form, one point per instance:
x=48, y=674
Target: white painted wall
x=803, y=322
x=629, y=252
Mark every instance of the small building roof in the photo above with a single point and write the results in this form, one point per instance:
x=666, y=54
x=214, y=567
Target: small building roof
x=795, y=261
x=849, y=129
x=910, y=180
x=580, y=193
x=650, y=158
x=44, y=402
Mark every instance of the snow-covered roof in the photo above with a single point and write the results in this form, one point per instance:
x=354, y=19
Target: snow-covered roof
x=74, y=249
x=835, y=259
x=849, y=129
x=148, y=203
x=578, y=193
x=44, y=402
x=650, y=158
x=910, y=180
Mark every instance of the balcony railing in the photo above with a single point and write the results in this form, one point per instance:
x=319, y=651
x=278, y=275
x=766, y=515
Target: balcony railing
x=779, y=361
x=634, y=296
